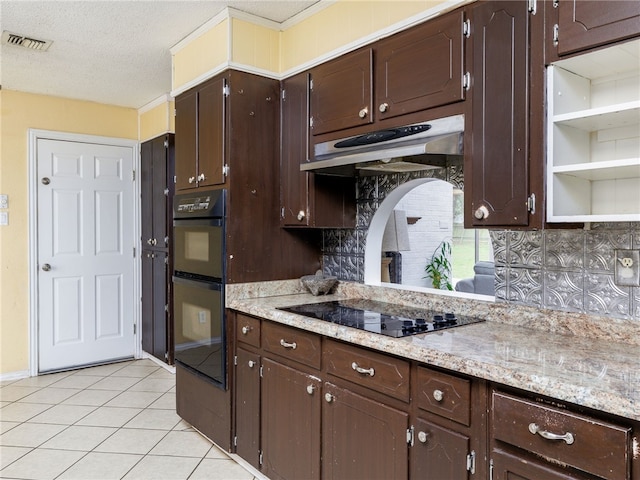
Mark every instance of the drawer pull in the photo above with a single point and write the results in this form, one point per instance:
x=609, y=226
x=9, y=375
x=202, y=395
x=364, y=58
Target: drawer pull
x=364, y=371
x=292, y=346
x=246, y=329
x=567, y=437
x=438, y=395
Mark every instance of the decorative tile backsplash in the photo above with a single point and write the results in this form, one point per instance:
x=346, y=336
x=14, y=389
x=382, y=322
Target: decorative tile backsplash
x=570, y=270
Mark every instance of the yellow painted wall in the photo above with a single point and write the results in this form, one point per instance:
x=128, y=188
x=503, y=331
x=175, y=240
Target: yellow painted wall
x=342, y=23
x=19, y=112
x=255, y=45
x=157, y=121
x=200, y=56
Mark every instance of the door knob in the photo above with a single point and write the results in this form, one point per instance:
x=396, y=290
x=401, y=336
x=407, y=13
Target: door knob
x=46, y=267
x=45, y=181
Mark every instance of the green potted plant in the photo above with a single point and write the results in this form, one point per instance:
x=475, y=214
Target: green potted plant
x=439, y=267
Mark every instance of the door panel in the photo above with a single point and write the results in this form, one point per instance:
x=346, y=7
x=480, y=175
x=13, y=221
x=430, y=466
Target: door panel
x=85, y=253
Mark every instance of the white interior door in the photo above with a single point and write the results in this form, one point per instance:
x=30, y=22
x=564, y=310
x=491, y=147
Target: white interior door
x=85, y=209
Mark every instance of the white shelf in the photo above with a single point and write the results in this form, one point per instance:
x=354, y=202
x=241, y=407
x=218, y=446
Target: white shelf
x=593, y=135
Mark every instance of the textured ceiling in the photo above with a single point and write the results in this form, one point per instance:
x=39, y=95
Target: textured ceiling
x=113, y=52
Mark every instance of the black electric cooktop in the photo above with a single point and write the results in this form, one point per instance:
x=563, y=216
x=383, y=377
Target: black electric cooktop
x=380, y=317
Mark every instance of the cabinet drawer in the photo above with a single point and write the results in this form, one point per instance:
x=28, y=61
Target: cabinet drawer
x=248, y=330
x=444, y=395
x=585, y=443
x=298, y=345
x=376, y=371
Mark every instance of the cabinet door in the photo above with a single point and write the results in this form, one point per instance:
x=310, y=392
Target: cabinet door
x=420, y=68
x=498, y=161
x=362, y=438
x=211, y=133
x=341, y=94
x=584, y=23
x=160, y=204
x=186, y=139
x=146, y=193
x=155, y=283
x=248, y=406
x=291, y=402
x=438, y=452
x=294, y=184
x=510, y=467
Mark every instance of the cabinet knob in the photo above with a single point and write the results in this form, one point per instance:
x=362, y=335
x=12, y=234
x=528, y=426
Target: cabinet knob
x=438, y=395
x=286, y=344
x=192, y=179
x=363, y=112
x=311, y=389
x=251, y=364
x=201, y=177
x=481, y=213
x=329, y=398
x=422, y=437
x=154, y=242
x=246, y=329
x=149, y=241
x=383, y=107
x=301, y=215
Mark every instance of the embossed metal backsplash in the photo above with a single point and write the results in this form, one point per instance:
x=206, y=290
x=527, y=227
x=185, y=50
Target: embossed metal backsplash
x=570, y=270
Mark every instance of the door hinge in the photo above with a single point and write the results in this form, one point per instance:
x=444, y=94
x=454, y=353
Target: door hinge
x=532, y=6
x=175, y=179
x=261, y=371
x=135, y=329
x=225, y=170
x=166, y=307
x=133, y=175
x=226, y=90
x=166, y=243
x=282, y=212
x=235, y=441
x=260, y=458
x=410, y=435
x=284, y=94
x=466, y=81
x=310, y=122
x=235, y=359
x=531, y=203
x=175, y=112
x=166, y=192
x=556, y=35
x=466, y=28
x=471, y=462
x=166, y=355
x=491, y=469
x=311, y=84
x=134, y=252
x=166, y=144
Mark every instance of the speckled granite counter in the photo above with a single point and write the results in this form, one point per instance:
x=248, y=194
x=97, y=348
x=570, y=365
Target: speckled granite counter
x=585, y=360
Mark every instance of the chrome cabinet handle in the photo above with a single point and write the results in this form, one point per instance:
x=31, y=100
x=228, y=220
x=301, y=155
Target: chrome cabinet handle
x=567, y=437
x=201, y=177
x=285, y=344
x=364, y=371
x=46, y=267
x=311, y=389
x=329, y=398
x=192, y=179
x=438, y=395
x=383, y=107
x=154, y=242
x=246, y=329
x=301, y=215
x=251, y=364
x=363, y=112
x=149, y=241
x=422, y=437
x=481, y=213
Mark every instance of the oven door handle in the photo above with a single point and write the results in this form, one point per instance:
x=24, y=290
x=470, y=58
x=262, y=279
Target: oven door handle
x=192, y=282
x=198, y=222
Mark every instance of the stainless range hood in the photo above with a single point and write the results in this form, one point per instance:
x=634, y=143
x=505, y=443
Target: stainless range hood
x=421, y=146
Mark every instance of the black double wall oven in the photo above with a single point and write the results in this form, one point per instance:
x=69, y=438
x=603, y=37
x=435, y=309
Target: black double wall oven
x=198, y=283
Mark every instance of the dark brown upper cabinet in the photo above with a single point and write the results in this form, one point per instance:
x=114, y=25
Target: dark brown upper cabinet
x=308, y=200
x=496, y=169
x=420, y=68
x=584, y=24
x=411, y=71
x=200, y=133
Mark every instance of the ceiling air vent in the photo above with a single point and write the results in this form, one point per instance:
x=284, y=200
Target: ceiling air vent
x=26, y=42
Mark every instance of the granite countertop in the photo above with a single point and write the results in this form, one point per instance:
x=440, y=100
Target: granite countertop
x=589, y=361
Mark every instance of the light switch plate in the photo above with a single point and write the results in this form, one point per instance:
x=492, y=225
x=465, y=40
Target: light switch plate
x=4, y=200
x=627, y=268
x=4, y=218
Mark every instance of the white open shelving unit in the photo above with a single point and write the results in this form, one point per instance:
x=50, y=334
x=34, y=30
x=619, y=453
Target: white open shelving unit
x=593, y=136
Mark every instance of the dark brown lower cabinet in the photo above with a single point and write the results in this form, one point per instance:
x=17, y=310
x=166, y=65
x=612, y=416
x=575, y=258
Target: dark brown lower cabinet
x=247, y=398
x=362, y=438
x=155, y=298
x=438, y=452
x=291, y=404
x=510, y=467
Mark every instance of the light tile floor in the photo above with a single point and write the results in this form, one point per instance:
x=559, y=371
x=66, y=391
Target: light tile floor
x=114, y=421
